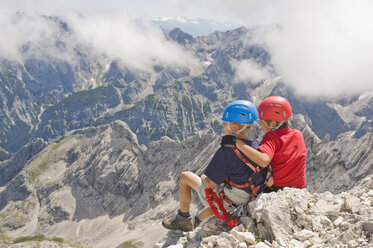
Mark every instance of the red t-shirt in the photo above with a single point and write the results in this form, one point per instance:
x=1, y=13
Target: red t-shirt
x=288, y=153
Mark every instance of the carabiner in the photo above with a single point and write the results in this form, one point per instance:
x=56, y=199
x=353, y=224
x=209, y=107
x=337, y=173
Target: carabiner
x=240, y=207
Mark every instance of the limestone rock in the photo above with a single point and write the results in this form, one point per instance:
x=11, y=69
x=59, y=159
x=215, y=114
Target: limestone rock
x=296, y=218
x=4, y=155
x=261, y=245
x=304, y=235
x=12, y=167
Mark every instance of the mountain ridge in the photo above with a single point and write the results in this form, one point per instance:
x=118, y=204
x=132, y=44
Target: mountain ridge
x=168, y=102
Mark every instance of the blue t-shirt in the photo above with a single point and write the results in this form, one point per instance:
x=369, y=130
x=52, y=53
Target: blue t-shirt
x=226, y=163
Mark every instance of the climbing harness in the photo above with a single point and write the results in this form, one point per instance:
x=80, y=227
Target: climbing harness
x=212, y=196
x=250, y=183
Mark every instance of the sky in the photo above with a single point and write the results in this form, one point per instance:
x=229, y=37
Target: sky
x=319, y=47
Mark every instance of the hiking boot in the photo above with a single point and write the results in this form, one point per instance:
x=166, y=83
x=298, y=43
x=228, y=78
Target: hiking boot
x=195, y=223
x=180, y=223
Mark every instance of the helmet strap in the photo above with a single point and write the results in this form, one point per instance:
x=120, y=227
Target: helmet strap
x=239, y=131
x=278, y=126
x=275, y=128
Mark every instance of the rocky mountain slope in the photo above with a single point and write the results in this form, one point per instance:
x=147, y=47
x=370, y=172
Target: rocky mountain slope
x=98, y=175
x=47, y=98
x=99, y=187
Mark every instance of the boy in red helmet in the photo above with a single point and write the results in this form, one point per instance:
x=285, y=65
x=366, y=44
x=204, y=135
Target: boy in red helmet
x=281, y=146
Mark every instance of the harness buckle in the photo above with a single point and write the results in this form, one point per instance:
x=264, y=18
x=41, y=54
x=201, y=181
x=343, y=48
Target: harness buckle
x=250, y=181
x=239, y=208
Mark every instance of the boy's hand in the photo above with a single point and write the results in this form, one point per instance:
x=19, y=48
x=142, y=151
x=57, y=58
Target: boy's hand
x=228, y=141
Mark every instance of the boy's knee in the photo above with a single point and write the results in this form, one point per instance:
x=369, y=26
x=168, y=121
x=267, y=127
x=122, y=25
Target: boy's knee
x=184, y=175
x=187, y=177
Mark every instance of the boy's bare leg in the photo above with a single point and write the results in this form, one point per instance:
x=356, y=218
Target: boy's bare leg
x=188, y=181
x=205, y=213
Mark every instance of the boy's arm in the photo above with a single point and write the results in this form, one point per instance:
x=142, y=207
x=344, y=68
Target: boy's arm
x=208, y=182
x=258, y=157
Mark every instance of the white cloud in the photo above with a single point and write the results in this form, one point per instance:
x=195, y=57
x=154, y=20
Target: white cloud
x=136, y=44
x=319, y=47
x=19, y=30
x=250, y=70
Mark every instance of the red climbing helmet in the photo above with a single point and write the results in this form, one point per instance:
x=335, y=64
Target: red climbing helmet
x=275, y=108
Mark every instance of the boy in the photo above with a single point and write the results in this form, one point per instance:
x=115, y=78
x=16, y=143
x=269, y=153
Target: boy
x=226, y=165
x=281, y=146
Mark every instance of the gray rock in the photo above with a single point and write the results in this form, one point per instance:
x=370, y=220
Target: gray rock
x=4, y=155
x=12, y=167
x=304, y=235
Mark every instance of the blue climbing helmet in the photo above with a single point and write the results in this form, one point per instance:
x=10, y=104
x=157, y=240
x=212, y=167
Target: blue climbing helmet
x=241, y=111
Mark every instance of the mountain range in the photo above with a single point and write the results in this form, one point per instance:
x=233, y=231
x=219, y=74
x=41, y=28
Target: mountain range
x=194, y=27
x=47, y=99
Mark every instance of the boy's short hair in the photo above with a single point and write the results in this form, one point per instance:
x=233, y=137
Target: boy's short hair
x=284, y=124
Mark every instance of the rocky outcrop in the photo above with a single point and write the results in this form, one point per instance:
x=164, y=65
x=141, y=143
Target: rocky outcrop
x=76, y=111
x=180, y=36
x=4, y=155
x=97, y=172
x=337, y=165
x=12, y=167
x=292, y=218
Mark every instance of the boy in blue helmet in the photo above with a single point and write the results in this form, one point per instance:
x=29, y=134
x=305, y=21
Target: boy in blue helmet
x=227, y=173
